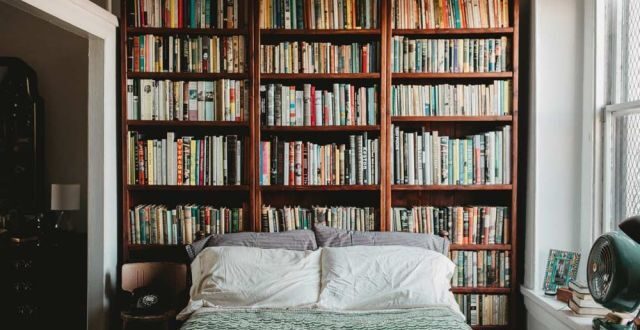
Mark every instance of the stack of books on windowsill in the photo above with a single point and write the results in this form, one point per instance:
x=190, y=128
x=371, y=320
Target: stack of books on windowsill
x=582, y=302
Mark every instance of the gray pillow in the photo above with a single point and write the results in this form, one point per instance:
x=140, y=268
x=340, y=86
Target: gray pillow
x=332, y=237
x=298, y=240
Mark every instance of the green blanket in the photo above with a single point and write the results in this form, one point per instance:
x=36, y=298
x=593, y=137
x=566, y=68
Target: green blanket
x=440, y=318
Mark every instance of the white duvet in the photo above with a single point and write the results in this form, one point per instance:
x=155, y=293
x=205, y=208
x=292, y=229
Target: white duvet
x=340, y=279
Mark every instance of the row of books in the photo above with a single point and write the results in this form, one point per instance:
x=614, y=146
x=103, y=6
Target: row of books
x=426, y=158
x=189, y=161
x=448, y=55
x=296, y=217
x=480, y=269
x=344, y=104
x=344, y=14
x=484, y=309
x=282, y=14
x=220, y=100
x=465, y=224
x=452, y=100
x=451, y=14
x=157, y=224
x=185, y=13
x=200, y=54
x=307, y=163
x=319, y=57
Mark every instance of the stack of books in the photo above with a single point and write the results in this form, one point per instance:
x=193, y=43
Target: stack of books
x=582, y=302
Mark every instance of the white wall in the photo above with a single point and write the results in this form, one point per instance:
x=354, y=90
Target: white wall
x=60, y=60
x=555, y=136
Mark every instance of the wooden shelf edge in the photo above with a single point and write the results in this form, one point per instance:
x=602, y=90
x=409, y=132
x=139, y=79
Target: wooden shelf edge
x=201, y=31
x=466, y=290
x=186, y=123
x=396, y=187
x=480, y=247
x=306, y=129
x=418, y=119
x=321, y=188
x=319, y=32
x=186, y=188
x=187, y=75
x=318, y=76
x=451, y=75
x=426, y=32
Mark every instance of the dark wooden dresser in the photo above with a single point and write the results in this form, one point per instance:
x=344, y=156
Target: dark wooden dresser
x=43, y=282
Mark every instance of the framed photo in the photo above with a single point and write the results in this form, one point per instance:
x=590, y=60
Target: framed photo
x=562, y=268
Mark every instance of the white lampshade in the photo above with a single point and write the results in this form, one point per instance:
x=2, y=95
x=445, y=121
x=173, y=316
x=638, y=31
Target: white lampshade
x=65, y=197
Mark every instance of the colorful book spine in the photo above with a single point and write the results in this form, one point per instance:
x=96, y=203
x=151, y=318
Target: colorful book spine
x=319, y=57
x=449, y=55
x=205, y=14
x=449, y=14
x=157, y=224
x=484, y=309
x=452, y=100
x=295, y=218
x=207, y=161
x=481, y=269
x=308, y=163
x=196, y=54
x=426, y=158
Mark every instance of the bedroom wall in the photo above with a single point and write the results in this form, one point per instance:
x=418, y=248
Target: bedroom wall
x=555, y=137
x=60, y=61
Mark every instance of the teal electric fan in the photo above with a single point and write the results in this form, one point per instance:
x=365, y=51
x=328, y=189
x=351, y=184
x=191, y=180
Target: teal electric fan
x=613, y=273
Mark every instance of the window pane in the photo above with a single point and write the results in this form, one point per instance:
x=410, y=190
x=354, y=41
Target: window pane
x=631, y=47
x=627, y=166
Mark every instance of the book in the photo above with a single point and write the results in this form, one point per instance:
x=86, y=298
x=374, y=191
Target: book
x=484, y=310
x=309, y=163
x=473, y=225
x=158, y=224
x=452, y=100
x=217, y=14
x=475, y=159
x=296, y=217
x=480, y=269
x=345, y=14
x=220, y=100
x=449, y=55
x=595, y=311
x=579, y=287
x=588, y=303
x=282, y=14
x=311, y=106
x=197, y=54
x=319, y=57
x=210, y=160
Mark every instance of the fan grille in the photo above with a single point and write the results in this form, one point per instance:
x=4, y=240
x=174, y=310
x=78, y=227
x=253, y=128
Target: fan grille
x=601, y=269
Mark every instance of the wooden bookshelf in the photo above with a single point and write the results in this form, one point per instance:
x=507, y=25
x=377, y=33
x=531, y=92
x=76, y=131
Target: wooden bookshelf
x=383, y=196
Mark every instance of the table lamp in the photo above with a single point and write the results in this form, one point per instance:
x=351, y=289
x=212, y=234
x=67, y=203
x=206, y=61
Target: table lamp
x=64, y=197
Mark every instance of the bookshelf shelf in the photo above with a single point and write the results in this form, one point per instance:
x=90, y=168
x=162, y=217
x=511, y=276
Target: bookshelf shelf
x=133, y=188
x=321, y=188
x=452, y=32
x=186, y=123
x=481, y=290
x=426, y=119
x=251, y=196
x=452, y=75
x=494, y=187
x=306, y=129
x=319, y=32
x=182, y=31
x=320, y=76
x=187, y=75
x=479, y=247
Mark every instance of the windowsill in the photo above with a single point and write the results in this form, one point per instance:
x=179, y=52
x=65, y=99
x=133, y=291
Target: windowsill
x=543, y=307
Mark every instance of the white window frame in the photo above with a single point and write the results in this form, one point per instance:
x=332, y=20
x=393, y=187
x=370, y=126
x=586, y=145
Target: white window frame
x=612, y=114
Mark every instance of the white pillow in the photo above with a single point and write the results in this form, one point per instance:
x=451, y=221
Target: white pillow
x=238, y=276
x=385, y=277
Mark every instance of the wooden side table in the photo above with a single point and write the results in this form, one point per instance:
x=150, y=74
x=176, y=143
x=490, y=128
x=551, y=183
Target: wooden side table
x=161, y=321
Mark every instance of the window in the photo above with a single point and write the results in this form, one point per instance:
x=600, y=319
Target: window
x=622, y=114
